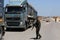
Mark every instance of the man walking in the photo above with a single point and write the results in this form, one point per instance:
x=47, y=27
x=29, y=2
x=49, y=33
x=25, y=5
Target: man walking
x=37, y=25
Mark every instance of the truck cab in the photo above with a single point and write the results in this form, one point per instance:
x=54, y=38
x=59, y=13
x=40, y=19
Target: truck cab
x=14, y=16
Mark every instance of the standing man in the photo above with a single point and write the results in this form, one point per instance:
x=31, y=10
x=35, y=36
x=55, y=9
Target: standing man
x=37, y=25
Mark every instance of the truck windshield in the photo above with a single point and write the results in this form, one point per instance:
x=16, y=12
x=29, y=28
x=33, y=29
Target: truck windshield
x=10, y=9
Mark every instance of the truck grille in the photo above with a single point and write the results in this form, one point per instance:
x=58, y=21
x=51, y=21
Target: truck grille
x=13, y=23
x=16, y=18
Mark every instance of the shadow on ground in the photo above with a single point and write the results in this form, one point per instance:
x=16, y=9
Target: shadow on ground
x=2, y=39
x=34, y=39
x=15, y=30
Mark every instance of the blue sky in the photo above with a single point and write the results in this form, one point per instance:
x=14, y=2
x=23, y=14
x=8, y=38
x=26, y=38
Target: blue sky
x=45, y=7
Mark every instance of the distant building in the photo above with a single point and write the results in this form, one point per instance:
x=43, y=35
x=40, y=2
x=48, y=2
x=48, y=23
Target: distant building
x=40, y=17
x=46, y=19
x=58, y=19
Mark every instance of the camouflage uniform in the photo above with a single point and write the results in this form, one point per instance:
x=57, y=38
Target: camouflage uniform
x=37, y=25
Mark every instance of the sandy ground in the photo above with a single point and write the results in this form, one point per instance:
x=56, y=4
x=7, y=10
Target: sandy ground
x=49, y=31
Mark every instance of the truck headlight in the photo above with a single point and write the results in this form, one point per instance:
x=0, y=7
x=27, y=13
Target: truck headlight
x=21, y=23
